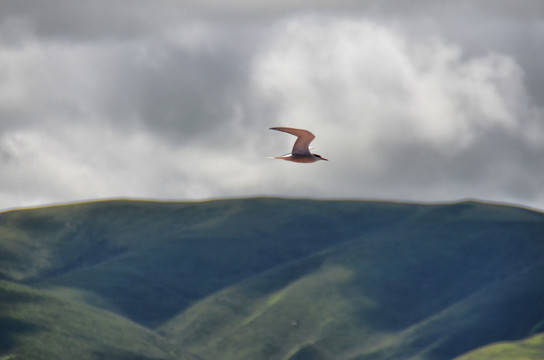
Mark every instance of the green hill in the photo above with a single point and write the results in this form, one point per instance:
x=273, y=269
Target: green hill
x=529, y=349
x=268, y=279
x=52, y=325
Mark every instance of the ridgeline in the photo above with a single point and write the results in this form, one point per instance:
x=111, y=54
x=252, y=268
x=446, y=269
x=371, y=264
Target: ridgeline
x=268, y=278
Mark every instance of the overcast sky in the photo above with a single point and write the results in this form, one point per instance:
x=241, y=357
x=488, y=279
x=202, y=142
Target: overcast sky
x=431, y=101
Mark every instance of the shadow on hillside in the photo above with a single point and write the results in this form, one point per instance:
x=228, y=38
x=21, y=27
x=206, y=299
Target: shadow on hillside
x=122, y=355
x=10, y=329
x=505, y=308
x=8, y=296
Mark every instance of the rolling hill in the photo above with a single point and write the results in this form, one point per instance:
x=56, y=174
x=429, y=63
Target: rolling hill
x=531, y=348
x=267, y=278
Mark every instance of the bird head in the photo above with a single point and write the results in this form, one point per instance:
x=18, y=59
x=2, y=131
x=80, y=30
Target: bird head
x=320, y=157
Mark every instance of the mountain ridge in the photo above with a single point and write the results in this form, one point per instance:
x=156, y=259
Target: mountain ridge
x=313, y=278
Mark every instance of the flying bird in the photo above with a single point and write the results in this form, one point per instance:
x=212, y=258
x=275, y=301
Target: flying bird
x=301, y=150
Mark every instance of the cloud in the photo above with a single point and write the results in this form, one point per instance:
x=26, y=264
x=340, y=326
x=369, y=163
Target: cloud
x=81, y=161
x=416, y=115
x=174, y=100
x=366, y=76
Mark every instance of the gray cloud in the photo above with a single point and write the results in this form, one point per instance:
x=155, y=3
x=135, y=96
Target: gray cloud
x=417, y=120
x=432, y=101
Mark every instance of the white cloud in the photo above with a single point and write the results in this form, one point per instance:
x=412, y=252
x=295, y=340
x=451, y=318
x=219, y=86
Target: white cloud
x=180, y=109
x=374, y=96
x=369, y=79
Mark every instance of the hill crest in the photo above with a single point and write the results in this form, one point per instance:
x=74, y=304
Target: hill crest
x=397, y=277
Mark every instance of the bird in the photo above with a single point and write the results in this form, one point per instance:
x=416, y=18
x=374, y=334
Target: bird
x=301, y=150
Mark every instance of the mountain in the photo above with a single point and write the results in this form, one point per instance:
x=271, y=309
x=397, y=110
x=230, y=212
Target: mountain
x=268, y=278
x=532, y=348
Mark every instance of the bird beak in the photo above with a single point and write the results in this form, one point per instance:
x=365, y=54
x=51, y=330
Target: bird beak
x=324, y=159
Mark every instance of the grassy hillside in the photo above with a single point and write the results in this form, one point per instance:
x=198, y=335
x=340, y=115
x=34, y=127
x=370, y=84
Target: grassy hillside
x=51, y=325
x=151, y=260
x=268, y=279
x=433, y=286
x=529, y=349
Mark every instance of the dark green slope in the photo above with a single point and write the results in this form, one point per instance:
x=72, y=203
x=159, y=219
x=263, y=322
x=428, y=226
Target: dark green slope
x=151, y=260
x=38, y=324
x=431, y=287
x=275, y=278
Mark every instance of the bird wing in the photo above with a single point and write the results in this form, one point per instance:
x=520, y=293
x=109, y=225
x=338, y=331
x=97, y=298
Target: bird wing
x=304, y=138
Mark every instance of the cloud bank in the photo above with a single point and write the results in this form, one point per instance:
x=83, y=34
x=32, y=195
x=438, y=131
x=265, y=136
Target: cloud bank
x=175, y=101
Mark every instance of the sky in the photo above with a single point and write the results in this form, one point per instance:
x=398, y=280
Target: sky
x=425, y=101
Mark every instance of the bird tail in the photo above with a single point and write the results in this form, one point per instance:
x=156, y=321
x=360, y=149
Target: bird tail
x=276, y=157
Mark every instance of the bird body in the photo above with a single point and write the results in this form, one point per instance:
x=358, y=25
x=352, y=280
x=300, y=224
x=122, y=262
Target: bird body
x=301, y=150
